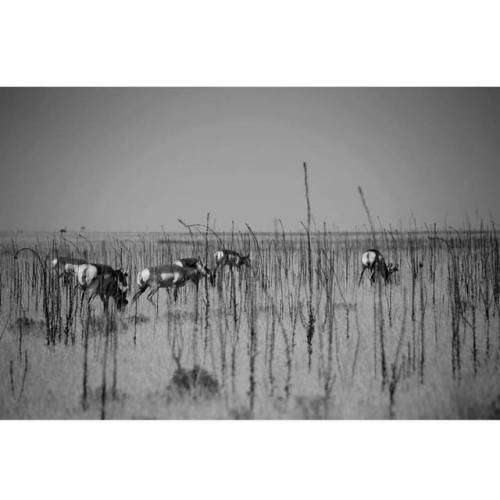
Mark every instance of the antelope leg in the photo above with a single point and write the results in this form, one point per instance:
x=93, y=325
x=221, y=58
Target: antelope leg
x=91, y=297
x=105, y=302
x=81, y=300
x=139, y=293
x=153, y=292
x=361, y=277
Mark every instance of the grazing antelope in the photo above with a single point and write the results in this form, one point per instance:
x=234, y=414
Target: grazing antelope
x=98, y=279
x=86, y=272
x=230, y=258
x=193, y=263
x=107, y=283
x=165, y=276
x=374, y=261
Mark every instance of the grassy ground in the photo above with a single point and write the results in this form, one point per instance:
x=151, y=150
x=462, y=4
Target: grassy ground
x=425, y=346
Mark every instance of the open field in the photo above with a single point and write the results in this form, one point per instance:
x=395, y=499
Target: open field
x=293, y=336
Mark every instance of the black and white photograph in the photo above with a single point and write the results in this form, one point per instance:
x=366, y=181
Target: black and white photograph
x=249, y=250
x=250, y=253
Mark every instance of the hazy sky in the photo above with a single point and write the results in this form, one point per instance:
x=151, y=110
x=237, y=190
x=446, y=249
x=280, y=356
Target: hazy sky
x=136, y=159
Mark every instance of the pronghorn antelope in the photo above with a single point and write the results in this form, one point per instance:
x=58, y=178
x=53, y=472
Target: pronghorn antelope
x=97, y=279
x=195, y=263
x=230, y=258
x=374, y=261
x=86, y=273
x=165, y=276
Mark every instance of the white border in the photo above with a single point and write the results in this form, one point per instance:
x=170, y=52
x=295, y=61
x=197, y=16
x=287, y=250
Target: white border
x=252, y=43
x=262, y=42
x=249, y=460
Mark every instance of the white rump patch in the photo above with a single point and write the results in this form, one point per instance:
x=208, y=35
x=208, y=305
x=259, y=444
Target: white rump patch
x=219, y=255
x=178, y=263
x=86, y=274
x=368, y=259
x=143, y=276
x=80, y=274
x=54, y=262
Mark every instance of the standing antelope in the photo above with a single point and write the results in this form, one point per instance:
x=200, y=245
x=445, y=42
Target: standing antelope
x=230, y=258
x=166, y=276
x=196, y=263
x=374, y=261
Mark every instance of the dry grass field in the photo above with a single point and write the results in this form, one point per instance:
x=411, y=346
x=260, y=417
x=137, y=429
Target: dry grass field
x=291, y=337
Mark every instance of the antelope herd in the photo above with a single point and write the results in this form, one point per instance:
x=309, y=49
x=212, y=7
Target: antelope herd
x=104, y=281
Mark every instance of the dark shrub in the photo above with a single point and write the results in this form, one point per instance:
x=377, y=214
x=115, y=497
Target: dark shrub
x=197, y=383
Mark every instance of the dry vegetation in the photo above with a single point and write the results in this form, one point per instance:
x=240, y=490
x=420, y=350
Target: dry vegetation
x=291, y=337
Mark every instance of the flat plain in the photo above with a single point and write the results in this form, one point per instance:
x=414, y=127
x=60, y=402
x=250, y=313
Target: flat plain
x=293, y=336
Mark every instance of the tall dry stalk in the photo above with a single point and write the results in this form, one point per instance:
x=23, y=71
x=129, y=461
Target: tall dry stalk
x=252, y=348
x=311, y=317
x=368, y=215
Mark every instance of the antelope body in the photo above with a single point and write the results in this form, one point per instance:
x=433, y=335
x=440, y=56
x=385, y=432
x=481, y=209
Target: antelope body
x=195, y=263
x=87, y=274
x=67, y=265
x=230, y=258
x=374, y=261
x=165, y=276
x=187, y=262
x=98, y=279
